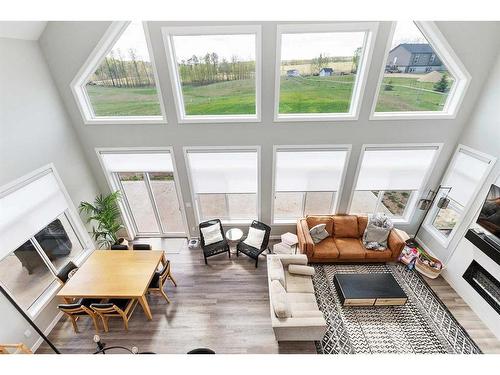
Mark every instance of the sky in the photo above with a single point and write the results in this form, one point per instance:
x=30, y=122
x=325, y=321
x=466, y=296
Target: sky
x=293, y=46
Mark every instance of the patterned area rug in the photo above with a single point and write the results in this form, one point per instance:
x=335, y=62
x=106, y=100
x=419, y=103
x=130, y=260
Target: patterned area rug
x=422, y=326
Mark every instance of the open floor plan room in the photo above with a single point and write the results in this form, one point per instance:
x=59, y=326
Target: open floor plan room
x=214, y=185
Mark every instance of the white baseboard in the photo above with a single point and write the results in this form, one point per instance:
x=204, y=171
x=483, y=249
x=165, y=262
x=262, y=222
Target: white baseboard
x=47, y=331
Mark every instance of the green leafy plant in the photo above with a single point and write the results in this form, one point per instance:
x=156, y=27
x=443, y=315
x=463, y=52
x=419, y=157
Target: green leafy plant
x=105, y=212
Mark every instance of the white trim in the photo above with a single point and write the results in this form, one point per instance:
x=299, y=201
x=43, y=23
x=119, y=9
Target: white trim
x=182, y=117
x=77, y=85
x=448, y=57
x=224, y=149
x=427, y=225
x=408, y=212
x=47, y=331
x=129, y=221
x=327, y=147
x=369, y=28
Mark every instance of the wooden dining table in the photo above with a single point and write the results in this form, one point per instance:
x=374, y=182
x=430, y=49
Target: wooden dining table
x=110, y=274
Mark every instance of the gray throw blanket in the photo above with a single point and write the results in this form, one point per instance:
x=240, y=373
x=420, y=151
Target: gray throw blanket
x=377, y=231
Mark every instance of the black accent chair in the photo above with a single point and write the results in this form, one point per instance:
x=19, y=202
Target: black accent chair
x=119, y=247
x=63, y=274
x=141, y=246
x=214, y=248
x=251, y=251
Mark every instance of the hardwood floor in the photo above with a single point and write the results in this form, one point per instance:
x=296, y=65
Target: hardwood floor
x=223, y=306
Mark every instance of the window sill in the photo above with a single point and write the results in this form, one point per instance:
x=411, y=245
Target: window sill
x=188, y=119
x=303, y=117
x=129, y=120
x=424, y=115
x=45, y=298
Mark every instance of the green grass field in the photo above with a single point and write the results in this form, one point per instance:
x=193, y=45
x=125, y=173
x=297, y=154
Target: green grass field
x=297, y=95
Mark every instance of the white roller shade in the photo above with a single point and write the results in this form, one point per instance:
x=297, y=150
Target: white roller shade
x=27, y=210
x=309, y=170
x=465, y=175
x=394, y=169
x=224, y=172
x=138, y=162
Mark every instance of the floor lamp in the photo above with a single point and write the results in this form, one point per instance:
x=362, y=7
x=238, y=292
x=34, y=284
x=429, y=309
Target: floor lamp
x=29, y=320
x=426, y=204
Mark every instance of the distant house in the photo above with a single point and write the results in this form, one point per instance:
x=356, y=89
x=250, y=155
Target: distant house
x=292, y=73
x=413, y=58
x=326, y=72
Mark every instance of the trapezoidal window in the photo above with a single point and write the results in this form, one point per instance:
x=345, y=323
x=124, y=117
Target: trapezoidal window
x=422, y=75
x=321, y=70
x=215, y=72
x=118, y=82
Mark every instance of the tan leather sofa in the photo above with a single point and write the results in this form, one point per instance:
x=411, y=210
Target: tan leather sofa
x=344, y=243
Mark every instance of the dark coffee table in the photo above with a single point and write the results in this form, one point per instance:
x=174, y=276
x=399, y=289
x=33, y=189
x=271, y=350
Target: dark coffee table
x=369, y=289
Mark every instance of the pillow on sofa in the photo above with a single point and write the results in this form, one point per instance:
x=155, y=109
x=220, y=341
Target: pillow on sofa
x=318, y=233
x=281, y=305
x=345, y=226
x=314, y=220
x=255, y=237
x=301, y=270
x=276, y=271
x=377, y=231
x=212, y=234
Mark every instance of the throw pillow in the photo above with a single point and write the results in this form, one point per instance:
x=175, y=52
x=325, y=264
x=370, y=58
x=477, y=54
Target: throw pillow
x=255, y=237
x=212, y=234
x=301, y=270
x=276, y=271
x=281, y=305
x=377, y=231
x=318, y=233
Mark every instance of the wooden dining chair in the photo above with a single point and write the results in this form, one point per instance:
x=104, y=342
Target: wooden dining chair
x=78, y=309
x=160, y=277
x=115, y=308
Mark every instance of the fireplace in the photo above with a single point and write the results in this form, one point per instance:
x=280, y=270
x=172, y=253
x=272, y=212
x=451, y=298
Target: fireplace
x=484, y=283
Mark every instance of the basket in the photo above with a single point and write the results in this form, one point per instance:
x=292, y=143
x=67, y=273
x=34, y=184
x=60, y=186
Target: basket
x=425, y=269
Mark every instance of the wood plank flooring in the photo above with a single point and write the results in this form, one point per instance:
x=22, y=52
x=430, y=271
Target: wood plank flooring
x=223, y=306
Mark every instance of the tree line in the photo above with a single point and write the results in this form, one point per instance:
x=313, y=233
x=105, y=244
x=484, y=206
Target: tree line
x=203, y=70
x=116, y=71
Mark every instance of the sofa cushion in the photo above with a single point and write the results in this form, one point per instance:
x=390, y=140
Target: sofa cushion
x=345, y=226
x=302, y=302
x=378, y=254
x=307, y=314
x=314, y=220
x=297, y=269
x=326, y=249
x=276, y=271
x=298, y=283
x=362, y=223
x=350, y=248
x=279, y=298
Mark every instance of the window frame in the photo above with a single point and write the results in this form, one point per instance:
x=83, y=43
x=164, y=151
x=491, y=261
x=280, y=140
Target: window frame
x=223, y=149
x=182, y=118
x=298, y=148
x=103, y=47
x=445, y=53
x=415, y=193
x=428, y=222
x=75, y=222
x=370, y=29
x=114, y=184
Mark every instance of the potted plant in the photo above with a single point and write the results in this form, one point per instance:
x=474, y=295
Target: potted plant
x=105, y=212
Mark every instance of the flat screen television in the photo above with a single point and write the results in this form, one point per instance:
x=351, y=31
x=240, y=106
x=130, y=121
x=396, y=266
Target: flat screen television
x=489, y=217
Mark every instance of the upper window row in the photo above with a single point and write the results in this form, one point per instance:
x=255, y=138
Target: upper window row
x=321, y=72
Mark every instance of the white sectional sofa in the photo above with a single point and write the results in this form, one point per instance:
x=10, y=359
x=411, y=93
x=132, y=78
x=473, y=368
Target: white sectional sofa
x=295, y=315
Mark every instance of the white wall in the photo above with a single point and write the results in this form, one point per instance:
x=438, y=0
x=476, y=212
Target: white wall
x=67, y=45
x=482, y=133
x=35, y=130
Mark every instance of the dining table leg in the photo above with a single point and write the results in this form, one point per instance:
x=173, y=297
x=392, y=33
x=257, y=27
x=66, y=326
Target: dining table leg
x=145, y=306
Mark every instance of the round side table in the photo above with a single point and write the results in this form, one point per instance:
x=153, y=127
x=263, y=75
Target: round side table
x=233, y=235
